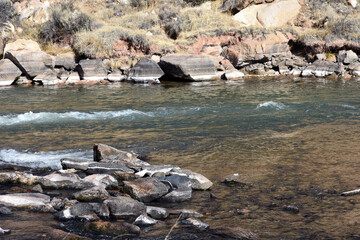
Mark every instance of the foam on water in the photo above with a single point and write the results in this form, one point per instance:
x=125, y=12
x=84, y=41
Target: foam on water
x=271, y=104
x=349, y=106
x=41, y=159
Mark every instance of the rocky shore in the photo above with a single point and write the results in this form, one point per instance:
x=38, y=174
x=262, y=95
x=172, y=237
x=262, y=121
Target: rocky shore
x=227, y=57
x=115, y=195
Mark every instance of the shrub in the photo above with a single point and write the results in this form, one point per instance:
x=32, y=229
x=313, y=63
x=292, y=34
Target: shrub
x=7, y=12
x=65, y=21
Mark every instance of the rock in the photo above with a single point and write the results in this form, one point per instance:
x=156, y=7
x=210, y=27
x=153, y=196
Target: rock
x=180, y=188
x=321, y=69
x=124, y=207
x=116, y=76
x=257, y=48
x=355, y=70
x=24, y=200
x=22, y=44
x=353, y=3
x=108, y=167
x=105, y=152
x=9, y=72
x=122, y=176
x=157, y=212
x=5, y=211
x=238, y=233
x=96, y=193
x=232, y=179
x=47, y=78
x=279, y=13
x=80, y=211
x=144, y=221
x=92, y=69
x=188, y=213
x=256, y=68
x=284, y=70
x=347, y=57
x=146, y=189
x=101, y=210
x=295, y=72
x=233, y=6
x=198, y=181
x=156, y=169
x=188, y=67
x=17, y=177
x=291, y=208
x=115, y=229
x=58, y=203
x=145, y=71
x=66, y=61
x=320, y=57
x=176, y=196
x=104, y=180
x=57, y=234
x=37, y=188
x=195, y=222
x=66, y=180
x=73, y=78
x=248, y=17
x=4, y=231
x=233, y=75
x=68, y=163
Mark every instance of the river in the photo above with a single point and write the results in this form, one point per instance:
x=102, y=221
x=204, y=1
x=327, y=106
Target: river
x=292, y=143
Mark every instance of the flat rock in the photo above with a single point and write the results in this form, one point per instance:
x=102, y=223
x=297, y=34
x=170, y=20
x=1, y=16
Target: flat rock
x=66, y=180
x=198, y=181
x=321, y=69
x=157, y=212
x=124, y=207
x=96, y=193
x=108, y=167
x=9, y=72
x=177, y=196
x=101, y=210
x=104, y=180
x=146, y=189
x=65, y=60
x=80, y=211
x=104, y=152
x=24, y=200
x=195, y=222
x=17, y=177
x=145, y=70
x=47, y=78
x=188, y=67
x=144, y=220
x=156, y=169
x=68, y=163
x=233, y=75
x=92, y=69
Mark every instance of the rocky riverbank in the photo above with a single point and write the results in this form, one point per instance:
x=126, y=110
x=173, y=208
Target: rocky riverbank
x=115, y=195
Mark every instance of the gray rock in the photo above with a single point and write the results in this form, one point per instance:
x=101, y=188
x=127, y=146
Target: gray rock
x=155, y=169
x=4, y=231
x=124, y=207
x=92, y=69
x=144, y=220
x=145, y=71
x=5, y=211
x=146, y=189
x=101, y=210
x=188, y=67
x=116, y=76
x=176, y=196
x=321, y=69
x=17, y=177
x=73, y=78
x=232, y=179
x=188, y=213
x=256, y=68
x=65, y=60
x=157, y=212
x=37, y=188
x=9, y=73
x=108, y=167
x=195, y=222
x=65, y=180
x=80, y=211
x=68, y=163
x=233, y=75
x=291, y=208
x=58, y=203
x=355, y=69
x=30, y=63
x=96, y=193
x=47, y=78
x=24, y=200
x=104, y=180
x=198, y=181
x=347, y=57
x=320, y=57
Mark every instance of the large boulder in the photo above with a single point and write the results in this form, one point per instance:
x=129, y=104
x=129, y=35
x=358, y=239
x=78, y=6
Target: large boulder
x=92, y=69
x=24, y=200
x=28, y=57
x=275, y=14
x=181, y=188
x=347, y=57
x=65, y=60
x=9, y=73
x=145, y=70
x=188, y=67
x=125, y=207
x=146, y=189
x=198, y=181
x=257, y=48
x=322, y=69
x=47, y=78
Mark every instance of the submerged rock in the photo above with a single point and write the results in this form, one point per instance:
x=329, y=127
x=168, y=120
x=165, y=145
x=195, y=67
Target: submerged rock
x=24, y=200
x=195, y=222
x=144, y=220
x=125, y=207
x=232, y=179
x=112, y=228
x=146, y=189
x=188, y=67
x=157, y=212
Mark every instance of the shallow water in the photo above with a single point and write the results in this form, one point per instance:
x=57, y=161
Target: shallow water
x=292, y=144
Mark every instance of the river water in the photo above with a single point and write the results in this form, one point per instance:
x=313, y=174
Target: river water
x=292, y=143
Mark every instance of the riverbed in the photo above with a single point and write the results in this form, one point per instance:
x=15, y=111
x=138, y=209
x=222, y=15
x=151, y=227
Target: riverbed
x=293, y=143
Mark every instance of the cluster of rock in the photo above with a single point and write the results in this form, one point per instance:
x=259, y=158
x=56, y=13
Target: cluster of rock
x=116, y=185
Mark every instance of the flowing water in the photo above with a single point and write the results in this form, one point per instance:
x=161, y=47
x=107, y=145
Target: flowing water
x=291, y=143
